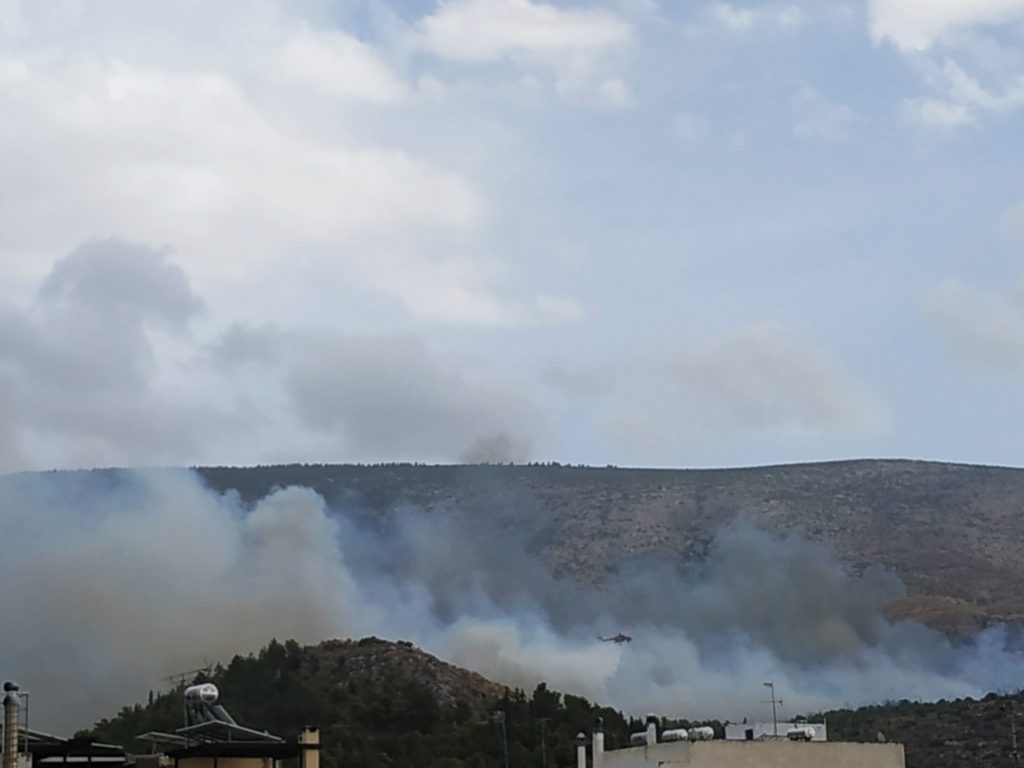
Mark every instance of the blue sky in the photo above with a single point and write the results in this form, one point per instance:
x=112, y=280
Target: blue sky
x=632, y=232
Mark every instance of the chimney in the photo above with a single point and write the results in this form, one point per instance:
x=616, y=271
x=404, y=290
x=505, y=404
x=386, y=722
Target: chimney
x=11, y=706
x=581, y=750
x=598, y=749
x=652, y=729
x=309, y=741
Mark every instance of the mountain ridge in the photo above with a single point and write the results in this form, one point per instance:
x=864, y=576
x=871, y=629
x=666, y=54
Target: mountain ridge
x=951, y=532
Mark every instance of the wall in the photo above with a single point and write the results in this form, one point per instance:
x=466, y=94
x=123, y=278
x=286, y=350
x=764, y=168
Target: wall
x=226, y=762
x=758, y=754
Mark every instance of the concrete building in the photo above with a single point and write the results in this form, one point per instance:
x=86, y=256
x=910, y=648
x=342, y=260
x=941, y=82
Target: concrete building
x=22, y=747
x=250, y=754
x=211, y=738
x=781, y=752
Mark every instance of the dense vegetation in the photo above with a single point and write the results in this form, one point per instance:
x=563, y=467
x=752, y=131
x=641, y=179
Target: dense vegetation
x=376, y=722
x=378, y=708
x=963, y=733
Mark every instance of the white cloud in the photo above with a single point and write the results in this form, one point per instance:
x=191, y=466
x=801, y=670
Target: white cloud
x=741, y=19
x=575, y=44
x=733, y=18
x=919, y=24
x=970, y=73
x=819, y=118
x=194, y=160
x=964, y=99
x=488, y=30
x=341, y=65
x=248, y=157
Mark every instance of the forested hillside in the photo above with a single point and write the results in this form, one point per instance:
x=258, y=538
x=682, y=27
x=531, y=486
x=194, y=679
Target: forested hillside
x=963, y=733
x=383, y=704
x=390, y=704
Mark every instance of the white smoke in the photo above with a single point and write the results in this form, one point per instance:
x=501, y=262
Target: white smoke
x=116, y=579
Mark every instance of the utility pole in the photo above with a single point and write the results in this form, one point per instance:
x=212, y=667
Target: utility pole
x=1013, y=737
x=775, y=717
x=543, y=747
x=499, y=717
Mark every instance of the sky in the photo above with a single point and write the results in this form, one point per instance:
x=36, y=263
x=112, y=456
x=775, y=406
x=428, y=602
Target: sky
x=632, y=232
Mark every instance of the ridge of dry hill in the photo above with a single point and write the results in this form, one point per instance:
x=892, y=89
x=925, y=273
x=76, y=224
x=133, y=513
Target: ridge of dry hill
x=952, y=532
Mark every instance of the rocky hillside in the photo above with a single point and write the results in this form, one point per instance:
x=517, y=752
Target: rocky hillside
x=952, y=532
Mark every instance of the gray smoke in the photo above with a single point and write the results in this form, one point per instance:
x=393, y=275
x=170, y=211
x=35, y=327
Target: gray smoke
x=116, y=579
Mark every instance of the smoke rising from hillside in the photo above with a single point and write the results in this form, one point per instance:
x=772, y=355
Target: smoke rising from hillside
x=116, y=579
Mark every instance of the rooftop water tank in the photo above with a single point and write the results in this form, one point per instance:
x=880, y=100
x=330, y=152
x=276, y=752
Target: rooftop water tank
x=205, y=692
x=800, y=733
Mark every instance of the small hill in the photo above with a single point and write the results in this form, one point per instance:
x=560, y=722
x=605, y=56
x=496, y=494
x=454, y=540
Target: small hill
x=382, y=704
x=381, y=663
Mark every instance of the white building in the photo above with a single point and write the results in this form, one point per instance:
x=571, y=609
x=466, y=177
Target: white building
x=721, y=753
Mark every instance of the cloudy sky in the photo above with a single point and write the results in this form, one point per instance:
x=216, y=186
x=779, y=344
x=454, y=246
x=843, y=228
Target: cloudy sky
x=637, y=232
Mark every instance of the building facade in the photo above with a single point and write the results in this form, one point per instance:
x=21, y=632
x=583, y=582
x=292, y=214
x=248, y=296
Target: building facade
x=721, y=753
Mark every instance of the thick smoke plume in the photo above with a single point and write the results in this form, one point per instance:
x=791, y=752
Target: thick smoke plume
x=113, y=580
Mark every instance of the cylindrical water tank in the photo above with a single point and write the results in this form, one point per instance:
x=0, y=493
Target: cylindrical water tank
x=12, y=704
x=675, y=734
x=702, y=733
x=800, y=733
x=205, y=692
x=638, y=739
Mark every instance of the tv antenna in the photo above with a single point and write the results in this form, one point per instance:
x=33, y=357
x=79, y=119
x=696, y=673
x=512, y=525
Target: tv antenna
x=775, y=717
x=178, y=679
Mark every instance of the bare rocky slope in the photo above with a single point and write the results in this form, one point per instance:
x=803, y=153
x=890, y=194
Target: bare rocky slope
x=952, y=532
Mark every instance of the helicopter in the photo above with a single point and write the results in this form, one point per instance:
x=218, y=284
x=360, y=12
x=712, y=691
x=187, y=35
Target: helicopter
x=618, y=639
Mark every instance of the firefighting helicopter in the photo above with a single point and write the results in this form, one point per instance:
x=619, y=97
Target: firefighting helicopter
x=618, y=639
